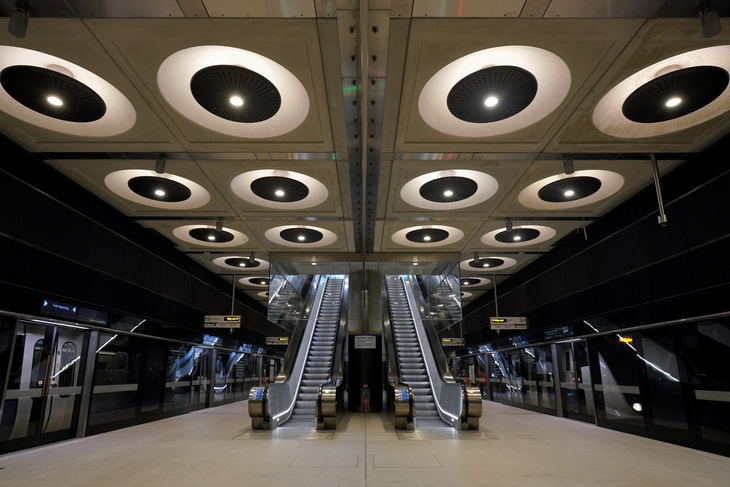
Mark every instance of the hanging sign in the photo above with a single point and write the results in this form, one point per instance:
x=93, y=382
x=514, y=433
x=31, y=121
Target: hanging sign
x=508, y=323
x=277, y=340
x=221, y=321
x=364, y=341
x=452, y=342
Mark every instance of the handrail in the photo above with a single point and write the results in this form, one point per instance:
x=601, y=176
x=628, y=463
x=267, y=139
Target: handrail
x=338, y=358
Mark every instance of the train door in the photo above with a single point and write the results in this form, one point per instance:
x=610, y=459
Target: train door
x=43, y=393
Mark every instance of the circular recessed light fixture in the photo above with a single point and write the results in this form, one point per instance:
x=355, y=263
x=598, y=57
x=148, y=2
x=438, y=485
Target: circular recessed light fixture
x=288, y=236
x=143, y=187
x=516, y=87
x=264, y=294
x=260, y=281
x=199, y=82
x=212, y=86
x=54, y=94
x=240, y=263
x=519, y=236
x=467, y=188
x=492, y=264
x=474, y=281
x=638, y=106
x=466, y=295
x=208, y=236
x=277, y=189
x=528, y=84
x=427, y=236
x=564, y=191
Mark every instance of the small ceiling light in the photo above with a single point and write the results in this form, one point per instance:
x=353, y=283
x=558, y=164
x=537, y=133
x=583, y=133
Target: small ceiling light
x=448, y=193
x=211, y=237
x=570, y=192
x=300, y=238
x=427, y=238
x=314, y=263
x=486, y=265
x=54, y=100
x=262, y=282
x=415, y=263
x=516, y=238
x=159, y=192
x=242, y=264
x=637, y=407
x=279, y=192
x=673, y=102
x=236, y=101
x=491, y=101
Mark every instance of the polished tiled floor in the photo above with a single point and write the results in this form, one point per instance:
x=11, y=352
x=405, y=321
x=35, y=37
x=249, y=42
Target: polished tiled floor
x=216, y=447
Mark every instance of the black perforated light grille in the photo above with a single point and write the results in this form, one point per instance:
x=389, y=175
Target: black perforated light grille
x=460, y=187
x=260, y=281
x=205, y=234
x=32, y=86
x=213, y=88
x=696, y=87
x=469, y=282
x=148, y=186
x=267, y=187
x=242, y=262
x=419, y=236
x=513, y=87
x=580, y=186
x=486, y=263
x=518, y=235
x=293, y=234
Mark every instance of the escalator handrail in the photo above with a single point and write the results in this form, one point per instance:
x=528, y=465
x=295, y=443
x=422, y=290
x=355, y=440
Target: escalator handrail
x=338, y=358
x=391, y=354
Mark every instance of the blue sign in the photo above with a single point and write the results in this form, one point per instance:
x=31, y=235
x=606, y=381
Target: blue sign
x=402, y=394
x=258, y=393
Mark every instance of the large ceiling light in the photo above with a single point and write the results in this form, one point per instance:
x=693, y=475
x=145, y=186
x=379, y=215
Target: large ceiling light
x=54, y=94
x=255, y=281
x=241, y=263
x=300, y=236
x=233, y=91
x=281, y=190
x=487, y=264
x=427, y=236
x=451, y=189
x=474, y=281
x=672, y=95
x=524, y=235
x=165, y=191
x=519, y=86
x=564, y=191
x=209, y=236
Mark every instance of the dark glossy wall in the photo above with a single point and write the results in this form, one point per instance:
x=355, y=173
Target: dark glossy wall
x=631, y=270
x=58, y=239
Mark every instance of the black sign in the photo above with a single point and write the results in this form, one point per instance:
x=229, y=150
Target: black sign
x=73, y=312
x=559, y=332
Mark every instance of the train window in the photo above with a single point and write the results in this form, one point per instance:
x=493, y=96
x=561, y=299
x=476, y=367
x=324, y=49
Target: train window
x=36, y=375
x=68, y=365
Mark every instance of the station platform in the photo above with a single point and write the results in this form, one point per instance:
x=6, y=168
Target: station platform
x=217, y=447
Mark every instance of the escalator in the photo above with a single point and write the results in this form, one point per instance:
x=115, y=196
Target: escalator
x=319, y=361
x=420, y=364
x=410, y=357
x=307, y=389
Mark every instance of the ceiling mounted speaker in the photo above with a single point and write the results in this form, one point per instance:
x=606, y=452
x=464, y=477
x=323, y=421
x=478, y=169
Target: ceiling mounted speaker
x=54, y=94
x=233, y=91
x=675, y=94
x=520, y=86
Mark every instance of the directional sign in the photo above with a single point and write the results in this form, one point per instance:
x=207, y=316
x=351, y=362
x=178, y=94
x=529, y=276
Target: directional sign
x=508, y=323
x=277, y=340
x=452, y=342
x=221, y=321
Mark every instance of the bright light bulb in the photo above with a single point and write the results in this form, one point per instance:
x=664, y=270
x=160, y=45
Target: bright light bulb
x=673, y=102
x=637, y=407
x=300, y=237
x=570, y=192
x=426, y=238
x=279, y=192
x=516, y=238
x=314, y=263
x=211, y=237
x=415, y=263
x=159, y=192
x=448, y=192
x=54, y=100
x=491, y=101
x=236, y=101
x=486, y=265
